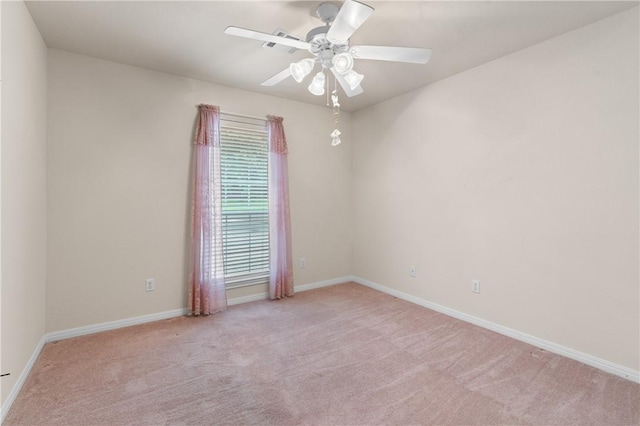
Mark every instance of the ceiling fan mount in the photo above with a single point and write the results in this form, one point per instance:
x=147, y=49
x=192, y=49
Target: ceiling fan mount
x=330, y=47
x=327, y=12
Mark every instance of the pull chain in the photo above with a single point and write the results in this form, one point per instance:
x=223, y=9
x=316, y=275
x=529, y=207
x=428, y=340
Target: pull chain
x=327, y=92
x=335, y=135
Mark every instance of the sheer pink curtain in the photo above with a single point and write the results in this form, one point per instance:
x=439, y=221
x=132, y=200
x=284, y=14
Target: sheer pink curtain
x=206, y=278
x=281, y=271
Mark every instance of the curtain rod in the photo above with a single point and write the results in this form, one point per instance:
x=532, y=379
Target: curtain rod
x=243, y=116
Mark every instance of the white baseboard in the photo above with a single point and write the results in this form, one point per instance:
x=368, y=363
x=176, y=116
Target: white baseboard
x=609, y=367
x=75, y=332
x=112, y=325
x=302, y=287
x=247, y=299
x=327, y=283
x=21, y=379
x=593, y=361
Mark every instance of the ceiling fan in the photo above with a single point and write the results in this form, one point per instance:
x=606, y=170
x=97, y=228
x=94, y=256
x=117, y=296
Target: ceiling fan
x=329, y=45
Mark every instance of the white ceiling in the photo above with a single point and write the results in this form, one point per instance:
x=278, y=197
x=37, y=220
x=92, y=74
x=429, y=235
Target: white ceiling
x=186, y=38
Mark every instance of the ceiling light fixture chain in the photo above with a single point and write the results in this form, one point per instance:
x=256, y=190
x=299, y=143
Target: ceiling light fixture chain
x=335, y=104
x=335, y=135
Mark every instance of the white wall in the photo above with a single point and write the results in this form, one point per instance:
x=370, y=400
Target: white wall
x=118, y=180
x=522, y=173
x=24, y=114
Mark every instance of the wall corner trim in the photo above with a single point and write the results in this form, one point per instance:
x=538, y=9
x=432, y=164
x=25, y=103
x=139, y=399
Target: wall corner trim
x=599, y=363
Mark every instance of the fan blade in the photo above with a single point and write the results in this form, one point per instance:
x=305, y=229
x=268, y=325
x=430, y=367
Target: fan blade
x=277, y=78
x=345, y=86
x=412, y=55
x=256, y=35
x=352, y=14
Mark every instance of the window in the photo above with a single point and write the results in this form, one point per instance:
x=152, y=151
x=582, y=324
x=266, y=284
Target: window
x=244, y=148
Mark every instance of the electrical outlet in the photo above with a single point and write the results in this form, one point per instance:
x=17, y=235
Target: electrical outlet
x=475, y=286
x=149, y=284
x=412, y=271
x=303, y=262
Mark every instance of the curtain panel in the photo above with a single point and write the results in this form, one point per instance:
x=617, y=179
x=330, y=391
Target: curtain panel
x=280, y=266
x=206, y=272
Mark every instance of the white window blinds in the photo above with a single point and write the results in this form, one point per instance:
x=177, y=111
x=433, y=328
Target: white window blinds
x=245, y=205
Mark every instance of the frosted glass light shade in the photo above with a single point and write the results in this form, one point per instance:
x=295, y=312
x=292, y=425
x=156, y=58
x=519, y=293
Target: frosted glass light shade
x=342, y=63
x=317, y=85
x=353, y=79
x=335, y=137
x=299, y=70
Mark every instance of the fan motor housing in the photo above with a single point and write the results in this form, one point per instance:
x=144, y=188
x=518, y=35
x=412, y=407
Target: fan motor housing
x=323, y=48
x=318, y=31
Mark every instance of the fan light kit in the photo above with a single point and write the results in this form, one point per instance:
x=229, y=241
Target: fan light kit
x=317, y=85
x=329, y=44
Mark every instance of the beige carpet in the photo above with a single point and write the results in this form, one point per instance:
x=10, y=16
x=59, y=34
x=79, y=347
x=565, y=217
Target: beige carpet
x=341, y=355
